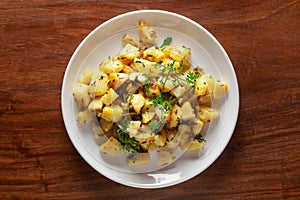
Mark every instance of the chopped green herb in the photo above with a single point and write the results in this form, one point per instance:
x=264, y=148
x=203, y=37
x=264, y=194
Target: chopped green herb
x=191, y=77
x=200, y=138
x=166, y=42
x=129, y=144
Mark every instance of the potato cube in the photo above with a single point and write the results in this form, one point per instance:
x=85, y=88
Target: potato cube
x=137, y=102
x=147, y=34
x=153, y=54
x=109, y=98
x=81, y=95
x=133, y=128
x=117, y=79
x=165, y=157
x=220, y=89
x=205, y=100
x=194, y=145
x=85, y=116
x=96, y=105
x=201, y=87
x=130, y=39
x=197, y=127
x=161, y=139
x=208, y=114
x=178, y=91
x=181, y=54
x=86, y=77
x=137, y=159
x=106, y=125
x=111, y=147
x=112, y=113
x=209, y=79
x=147, y=116
x=128, y=54
x=109, y=66
x=176, y=116
x=187, y=111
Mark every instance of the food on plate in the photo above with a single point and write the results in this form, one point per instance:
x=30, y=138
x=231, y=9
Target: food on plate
x=148, y=98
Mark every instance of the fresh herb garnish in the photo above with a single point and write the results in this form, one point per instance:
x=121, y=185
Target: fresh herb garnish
x=191, y=77
x=166, y=42
x=200, y=138
x=129, y=144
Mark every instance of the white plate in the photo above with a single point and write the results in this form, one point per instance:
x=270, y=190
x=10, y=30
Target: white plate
x=105, y=41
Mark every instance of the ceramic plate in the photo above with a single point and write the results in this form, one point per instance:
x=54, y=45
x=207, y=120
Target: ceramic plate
x=105, y=41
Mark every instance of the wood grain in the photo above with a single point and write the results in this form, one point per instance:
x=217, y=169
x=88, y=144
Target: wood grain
x=37, y=159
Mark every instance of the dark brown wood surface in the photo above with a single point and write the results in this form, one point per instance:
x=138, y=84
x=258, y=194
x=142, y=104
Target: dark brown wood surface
x=37, y=158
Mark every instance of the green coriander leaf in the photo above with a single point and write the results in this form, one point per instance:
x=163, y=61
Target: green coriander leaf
x=166, y=42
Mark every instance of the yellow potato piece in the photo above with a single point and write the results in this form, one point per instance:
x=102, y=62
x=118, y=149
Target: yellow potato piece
x=109, y=98
x=165, y=157
x=112, y=113
x=139, y=158
x=111, y=147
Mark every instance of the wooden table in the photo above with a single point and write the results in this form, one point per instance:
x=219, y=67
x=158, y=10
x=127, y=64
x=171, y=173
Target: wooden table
x=37, y=158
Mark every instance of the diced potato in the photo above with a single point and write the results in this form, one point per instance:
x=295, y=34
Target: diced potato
x=96, y=105
x=209, y=79
x=86, y=77
x=106, y=125
x=144, y=133
x=220, y=89
x=127, y=69
x=85, y=116
x=145, y=66
x=181, y=54
x=99, y=84
x=109, y=67
x=147, y=34
x=147, y=105
x=205, y=100
x=165, y=157
x=153, y=54
x=98, y=133
x=109, y=98
x=187, y=112
x=161, y=139
x=117, y=79
x=170, y=62
x=194, y=145
x=184, y=129
x=81, y=95
x=167, y=50
x=197, y=127
x=104, y=65
x=201, y=87
x=208, y=114
x=130, y=39
x=111, y=147
x=152, y=147
x=178, y=91
x=133, y=128
x=128, y=54
x=112, y=113
x=137, y=102
x=147, y=116
x=137, y=159
x=165, y=85
x=170, y=135
x=176, y=116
